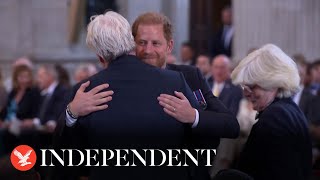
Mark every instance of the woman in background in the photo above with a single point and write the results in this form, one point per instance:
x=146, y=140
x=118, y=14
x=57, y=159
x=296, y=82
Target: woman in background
x=22, y=103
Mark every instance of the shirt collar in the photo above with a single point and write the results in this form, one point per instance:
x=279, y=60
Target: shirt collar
x=50, y=89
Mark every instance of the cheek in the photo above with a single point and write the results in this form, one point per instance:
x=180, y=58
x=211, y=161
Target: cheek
x=139, y=50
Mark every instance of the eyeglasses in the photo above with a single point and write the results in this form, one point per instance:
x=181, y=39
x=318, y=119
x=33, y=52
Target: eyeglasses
x=248, y=88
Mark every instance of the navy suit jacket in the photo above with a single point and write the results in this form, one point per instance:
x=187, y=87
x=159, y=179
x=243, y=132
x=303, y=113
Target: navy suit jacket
x=230, y=95
x=216, y=45
x=279, y=145
x=134, y=118
x=55, y=106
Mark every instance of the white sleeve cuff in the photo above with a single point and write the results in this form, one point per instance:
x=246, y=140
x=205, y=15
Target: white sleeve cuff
x=196, y=121
x=69, y=120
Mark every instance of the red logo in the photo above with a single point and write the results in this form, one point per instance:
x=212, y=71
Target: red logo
x=23, y=157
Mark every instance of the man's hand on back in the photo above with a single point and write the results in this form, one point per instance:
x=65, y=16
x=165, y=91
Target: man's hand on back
x=85, y=103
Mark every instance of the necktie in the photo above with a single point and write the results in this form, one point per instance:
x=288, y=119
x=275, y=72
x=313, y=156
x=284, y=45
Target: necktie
x=44, y=107
x=216, y=91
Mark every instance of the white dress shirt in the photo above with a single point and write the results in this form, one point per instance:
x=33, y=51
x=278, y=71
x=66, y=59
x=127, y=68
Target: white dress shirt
x=71, y=121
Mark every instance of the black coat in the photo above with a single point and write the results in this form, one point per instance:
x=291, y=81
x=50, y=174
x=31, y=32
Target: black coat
x=55, y=106
x=28, y=106
x=279, y=146
x=230, y=95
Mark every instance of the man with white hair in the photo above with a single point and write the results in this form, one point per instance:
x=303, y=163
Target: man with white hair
x=134, y=119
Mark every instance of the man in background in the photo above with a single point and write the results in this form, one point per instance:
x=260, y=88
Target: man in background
x=221, y=85
x=203, y=63
x=222, y=41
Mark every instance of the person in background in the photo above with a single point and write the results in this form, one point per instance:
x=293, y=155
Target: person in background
x=303, y=97
x=8, y=84
x=279, y=145
x=222, y=41
x=315, y=76
x=3, y=93
x=187, y=54
x=221, y=85
x=84, y=71
x=22, y=104
x=171, y=59
x=52, y=100
x=63, y=76
x=203, y=63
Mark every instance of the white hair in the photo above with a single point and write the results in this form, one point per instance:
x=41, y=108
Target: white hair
x=89, y=68
x=268, y=67
x=109, y=35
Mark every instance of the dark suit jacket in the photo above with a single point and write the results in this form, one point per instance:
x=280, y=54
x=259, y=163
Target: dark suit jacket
x=28, y=107
x=55, y=106
x=216, y=45
x=313, y=113
x=305, y=101
x=230, y=95
x=279, y=146
x=134, y=118
x=217, y=119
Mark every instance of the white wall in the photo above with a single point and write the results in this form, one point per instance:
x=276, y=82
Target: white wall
x=293, y=25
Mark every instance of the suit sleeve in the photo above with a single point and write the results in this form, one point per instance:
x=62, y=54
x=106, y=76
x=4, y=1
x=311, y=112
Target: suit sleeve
x=188, y=93
x=216, y=121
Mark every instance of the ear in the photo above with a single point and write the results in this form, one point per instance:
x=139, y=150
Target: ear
x=103, y=62
x=101, y=59
x=170, y=46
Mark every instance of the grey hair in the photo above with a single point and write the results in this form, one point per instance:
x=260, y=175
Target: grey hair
x=268, y=67
x=109, y=35
x=51, y=70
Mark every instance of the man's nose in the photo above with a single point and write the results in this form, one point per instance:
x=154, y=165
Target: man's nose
x=148, y=48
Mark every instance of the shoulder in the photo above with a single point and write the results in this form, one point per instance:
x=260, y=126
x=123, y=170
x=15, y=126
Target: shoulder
x=281, y=106
x=280, y=113
x=233, y=87
x=182, y=68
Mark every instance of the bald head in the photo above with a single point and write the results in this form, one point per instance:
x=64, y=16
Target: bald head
x=220, y=68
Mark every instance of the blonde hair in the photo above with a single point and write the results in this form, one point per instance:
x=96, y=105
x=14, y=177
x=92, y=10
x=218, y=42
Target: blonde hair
x=109, y=35
x=268, y=67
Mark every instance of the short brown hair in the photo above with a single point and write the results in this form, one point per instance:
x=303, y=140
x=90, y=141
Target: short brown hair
x=153, y=18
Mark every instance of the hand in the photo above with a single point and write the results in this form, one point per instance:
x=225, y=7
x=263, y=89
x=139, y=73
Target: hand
x=85, y=103
x=50, y=126
x=27, y=124
x=178, y=107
